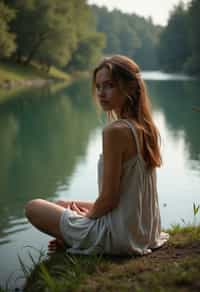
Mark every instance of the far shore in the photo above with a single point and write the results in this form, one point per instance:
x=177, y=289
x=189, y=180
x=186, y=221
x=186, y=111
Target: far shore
x=8, y=84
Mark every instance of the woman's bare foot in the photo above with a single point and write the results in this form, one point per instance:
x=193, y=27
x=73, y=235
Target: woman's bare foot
x=55, y=245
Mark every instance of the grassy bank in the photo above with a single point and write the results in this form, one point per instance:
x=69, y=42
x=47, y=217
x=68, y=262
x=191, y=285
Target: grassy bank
x=14, y=78
x=174, y=267
x=18, y=72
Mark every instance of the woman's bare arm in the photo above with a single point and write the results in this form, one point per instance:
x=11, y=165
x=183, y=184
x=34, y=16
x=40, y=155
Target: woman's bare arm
x=113, y=145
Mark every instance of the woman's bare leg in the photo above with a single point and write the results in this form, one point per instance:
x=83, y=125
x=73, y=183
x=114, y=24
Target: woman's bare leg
x=55, y=243
x=84, y=204
x=45, y=216
x=80, y=204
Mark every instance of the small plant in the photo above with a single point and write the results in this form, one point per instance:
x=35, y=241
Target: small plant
x=196, y=209
x=27, y=270
x=178, y=227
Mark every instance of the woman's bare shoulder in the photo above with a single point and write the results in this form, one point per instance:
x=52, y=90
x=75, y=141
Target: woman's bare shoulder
x=119, y=135
x=114, y=134
x=115, y=126
x=116, y=129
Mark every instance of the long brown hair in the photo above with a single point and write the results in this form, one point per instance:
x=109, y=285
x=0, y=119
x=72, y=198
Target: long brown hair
x=126, y=74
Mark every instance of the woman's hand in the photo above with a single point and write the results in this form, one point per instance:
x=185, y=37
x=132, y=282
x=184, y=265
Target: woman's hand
x=79, y=210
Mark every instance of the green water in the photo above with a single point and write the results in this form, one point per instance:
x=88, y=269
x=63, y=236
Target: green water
x=50, y=142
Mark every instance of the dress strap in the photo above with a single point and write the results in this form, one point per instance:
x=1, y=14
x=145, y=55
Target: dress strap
x=133, y=132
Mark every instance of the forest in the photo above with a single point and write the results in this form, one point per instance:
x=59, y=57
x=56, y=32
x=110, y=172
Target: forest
x=73, y=35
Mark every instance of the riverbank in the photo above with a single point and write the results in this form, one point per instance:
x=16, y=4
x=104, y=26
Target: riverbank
x=14, y=75
x=15, y=78
x=174, y=267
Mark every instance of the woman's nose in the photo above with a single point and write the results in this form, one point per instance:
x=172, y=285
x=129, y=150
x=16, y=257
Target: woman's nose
x=101, y=92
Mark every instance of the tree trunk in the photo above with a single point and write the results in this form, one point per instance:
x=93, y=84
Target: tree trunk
x=32, y=54
x=35, y=49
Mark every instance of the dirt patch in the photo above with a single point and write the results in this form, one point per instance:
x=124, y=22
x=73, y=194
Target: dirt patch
x=169, y=268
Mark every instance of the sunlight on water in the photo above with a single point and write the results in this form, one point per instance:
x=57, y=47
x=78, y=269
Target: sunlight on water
x=158, y=75
x=178, y=187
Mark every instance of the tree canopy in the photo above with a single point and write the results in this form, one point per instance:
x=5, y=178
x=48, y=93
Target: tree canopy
x=128, y=34
x=7, y=39
x=179, y=44
x=50, y=31
x=192, y=65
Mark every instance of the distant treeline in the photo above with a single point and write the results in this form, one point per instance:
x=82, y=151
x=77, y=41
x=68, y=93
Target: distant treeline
x=173, y=48
x=128, y=34
x=73, y=35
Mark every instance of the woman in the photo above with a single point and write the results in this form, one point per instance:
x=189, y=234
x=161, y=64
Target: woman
x=125, y=218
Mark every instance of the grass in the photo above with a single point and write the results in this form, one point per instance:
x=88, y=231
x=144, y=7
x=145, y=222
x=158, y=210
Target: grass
x=58, y=74
x=14, y=73
x=174, y=267
x=17, y=72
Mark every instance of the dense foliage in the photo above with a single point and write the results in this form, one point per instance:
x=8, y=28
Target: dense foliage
x=51, y=31
x=7, y=39
x=179, y=47
x=173, y=48
x=128, y=34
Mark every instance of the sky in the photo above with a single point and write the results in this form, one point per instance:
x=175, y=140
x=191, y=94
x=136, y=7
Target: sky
x=157, y=9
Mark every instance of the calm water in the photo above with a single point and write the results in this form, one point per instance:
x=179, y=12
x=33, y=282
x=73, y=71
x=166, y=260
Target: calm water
x=50, y=143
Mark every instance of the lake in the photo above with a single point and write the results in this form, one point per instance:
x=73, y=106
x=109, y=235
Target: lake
x=50, y=144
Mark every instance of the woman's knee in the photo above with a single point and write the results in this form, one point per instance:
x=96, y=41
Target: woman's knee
x=45, y=216
x=31, y=208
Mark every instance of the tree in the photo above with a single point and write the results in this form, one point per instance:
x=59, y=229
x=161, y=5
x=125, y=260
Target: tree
x=146, y=52
x=7, y=39
x=44, y=29
x=108, y=25
x=88, y=52
x=50, y=31
x=130, y=41
x=128, y=34
x=192, y=65
x=173, y=48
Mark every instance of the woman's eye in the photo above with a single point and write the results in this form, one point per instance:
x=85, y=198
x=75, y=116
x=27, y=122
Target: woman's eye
x=109, y=85
x=104, y=86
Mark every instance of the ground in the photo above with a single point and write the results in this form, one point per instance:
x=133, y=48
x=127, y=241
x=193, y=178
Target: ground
x=174, y=267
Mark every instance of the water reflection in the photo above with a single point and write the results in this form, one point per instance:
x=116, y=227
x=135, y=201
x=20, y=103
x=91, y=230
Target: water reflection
x=176, y=99
x=43, y=135
x=179, y=178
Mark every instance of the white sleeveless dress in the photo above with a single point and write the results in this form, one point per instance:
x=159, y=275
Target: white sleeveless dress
x=134, y=227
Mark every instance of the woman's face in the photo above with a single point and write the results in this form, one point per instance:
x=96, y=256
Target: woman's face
x=107, y=92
